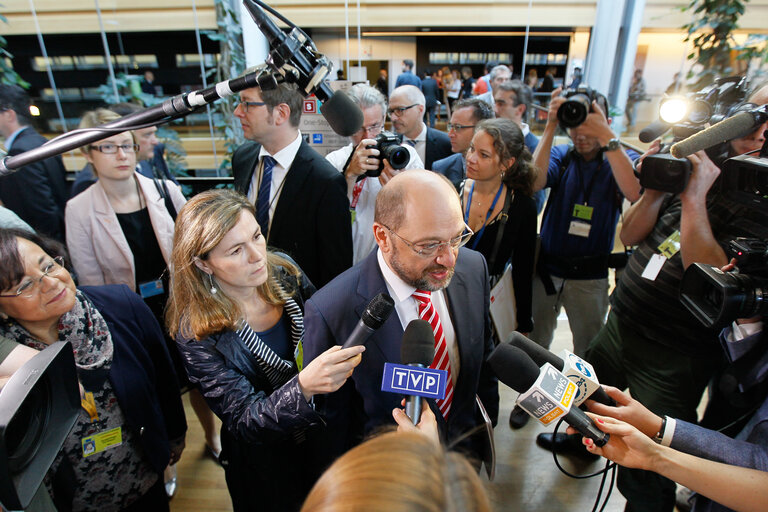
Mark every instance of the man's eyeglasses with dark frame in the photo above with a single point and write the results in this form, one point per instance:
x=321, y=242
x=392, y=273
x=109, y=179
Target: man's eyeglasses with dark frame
x=248, y=104
x=398, y=111
x=428, y=250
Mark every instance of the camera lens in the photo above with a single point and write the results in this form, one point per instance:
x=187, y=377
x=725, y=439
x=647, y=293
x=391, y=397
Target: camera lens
x=397, y=156
x=574, y=110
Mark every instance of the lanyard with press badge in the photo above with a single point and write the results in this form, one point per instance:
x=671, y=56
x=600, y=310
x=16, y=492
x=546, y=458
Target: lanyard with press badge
x=479, y=234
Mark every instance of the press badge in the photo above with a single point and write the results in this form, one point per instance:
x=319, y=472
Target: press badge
x=671, y=245
x=653, y=267
x=151, y=288
x=579, y=228
x=582, y=211
x=97, y=443
x=298, y=355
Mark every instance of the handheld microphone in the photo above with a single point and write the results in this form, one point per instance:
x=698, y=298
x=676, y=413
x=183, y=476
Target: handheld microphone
x=653, y=131
x=417, y=349
x=376, y=313
x=740, y=125
x=545, y=394
x=574, y=367
x=295, y=57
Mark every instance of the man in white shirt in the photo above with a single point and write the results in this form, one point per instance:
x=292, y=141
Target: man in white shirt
x=357, y=158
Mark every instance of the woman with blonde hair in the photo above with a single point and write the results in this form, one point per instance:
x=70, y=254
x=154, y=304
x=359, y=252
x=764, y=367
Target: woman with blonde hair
x=236, y=311
x=120, y=230
x=399, y=472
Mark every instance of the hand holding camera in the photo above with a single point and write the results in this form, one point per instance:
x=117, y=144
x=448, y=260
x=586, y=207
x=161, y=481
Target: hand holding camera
x=365, y=158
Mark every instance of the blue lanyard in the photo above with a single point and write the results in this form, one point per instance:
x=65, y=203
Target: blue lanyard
x=479, y=234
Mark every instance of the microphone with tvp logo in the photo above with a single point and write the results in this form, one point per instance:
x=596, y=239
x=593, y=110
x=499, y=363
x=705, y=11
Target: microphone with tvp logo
x=413, y=378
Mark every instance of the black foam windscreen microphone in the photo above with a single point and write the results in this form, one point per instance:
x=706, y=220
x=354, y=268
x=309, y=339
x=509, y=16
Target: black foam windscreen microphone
x=653, y=131
x=740, y=125
x=514, y=368
x=296, y=58
x=417, y=349
x=375, y=314
x=540, y=355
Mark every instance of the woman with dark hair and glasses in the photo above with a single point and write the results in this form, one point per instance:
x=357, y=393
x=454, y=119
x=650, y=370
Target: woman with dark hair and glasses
x=131, y=424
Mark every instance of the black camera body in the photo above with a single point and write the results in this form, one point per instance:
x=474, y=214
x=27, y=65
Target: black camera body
x=390, y=148
x=717, y=298
x=577, y=105
x=664, y=172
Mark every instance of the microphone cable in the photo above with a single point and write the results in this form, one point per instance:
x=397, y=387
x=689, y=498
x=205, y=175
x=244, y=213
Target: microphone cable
x=610, y=467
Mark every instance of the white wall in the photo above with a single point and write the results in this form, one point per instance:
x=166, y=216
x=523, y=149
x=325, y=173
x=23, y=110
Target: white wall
x=393, y=49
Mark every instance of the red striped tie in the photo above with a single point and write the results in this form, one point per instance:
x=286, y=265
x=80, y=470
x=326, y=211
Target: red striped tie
x=441, y=361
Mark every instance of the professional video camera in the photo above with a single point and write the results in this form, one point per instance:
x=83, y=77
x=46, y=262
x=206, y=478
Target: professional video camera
x=578, y=104
x=687, y=115
x=389, y=147
x=717, y=298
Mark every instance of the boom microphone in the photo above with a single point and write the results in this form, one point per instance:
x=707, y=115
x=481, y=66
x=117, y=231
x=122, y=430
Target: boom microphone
x=740, y=125
x=653, y=131
x=545, y=394
x=577, y=369
x=295, y=57
x=417, y=349
x=375, y=314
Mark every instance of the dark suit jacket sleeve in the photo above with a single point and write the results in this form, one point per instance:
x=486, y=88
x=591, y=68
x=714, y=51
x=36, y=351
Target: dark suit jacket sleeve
x=30, y=193
x=340, y=409
x=523, y=261
x=488, y=384
x=712, y=445
x=166, y=383
x=334, y=225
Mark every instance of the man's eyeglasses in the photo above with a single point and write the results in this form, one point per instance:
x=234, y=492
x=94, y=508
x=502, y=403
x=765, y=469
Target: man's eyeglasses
x=248, y=104
x=459, y=127
x=111, y=149
x=427, y=250
x=398, y=111
x=372, y=128
x=30, y=286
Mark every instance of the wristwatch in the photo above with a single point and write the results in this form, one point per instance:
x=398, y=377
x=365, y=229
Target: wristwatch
x=660, y=434
x=613, y=145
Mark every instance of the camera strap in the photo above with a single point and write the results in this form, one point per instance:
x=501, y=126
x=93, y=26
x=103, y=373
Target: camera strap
x=358, y=188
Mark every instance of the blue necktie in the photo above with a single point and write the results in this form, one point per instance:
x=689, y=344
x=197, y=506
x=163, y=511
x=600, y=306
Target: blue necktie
x=262, y=200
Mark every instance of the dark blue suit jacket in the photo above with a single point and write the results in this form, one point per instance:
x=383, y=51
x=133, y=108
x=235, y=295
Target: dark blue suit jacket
x=453, y=168
x=360, y=406
x=38, y=192
x=438, y=146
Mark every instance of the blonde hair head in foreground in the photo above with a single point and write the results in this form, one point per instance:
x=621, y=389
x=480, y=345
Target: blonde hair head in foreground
x=399, y=472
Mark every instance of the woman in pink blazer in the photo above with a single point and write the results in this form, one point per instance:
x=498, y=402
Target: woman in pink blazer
x=120, y=231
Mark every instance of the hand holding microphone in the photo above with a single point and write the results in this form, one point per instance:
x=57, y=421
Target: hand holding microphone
x=427, y=424
x=546, y=394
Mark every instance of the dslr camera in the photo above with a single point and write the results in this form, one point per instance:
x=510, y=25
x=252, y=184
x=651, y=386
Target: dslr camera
x=717, y=298
x=577, y=105
x=389, y=146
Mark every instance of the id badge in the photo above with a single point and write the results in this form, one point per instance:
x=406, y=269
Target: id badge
x=151, y=288
x=579, y=228
x=298, y=355
x=105, y=440
x=671, y=245
x=583, y=212
x=653, y=267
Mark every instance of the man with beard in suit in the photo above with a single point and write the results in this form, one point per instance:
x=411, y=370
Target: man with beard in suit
x=419, y=229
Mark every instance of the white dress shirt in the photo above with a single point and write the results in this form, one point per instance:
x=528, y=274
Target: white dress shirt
x=284, y=159
x=407, y=309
